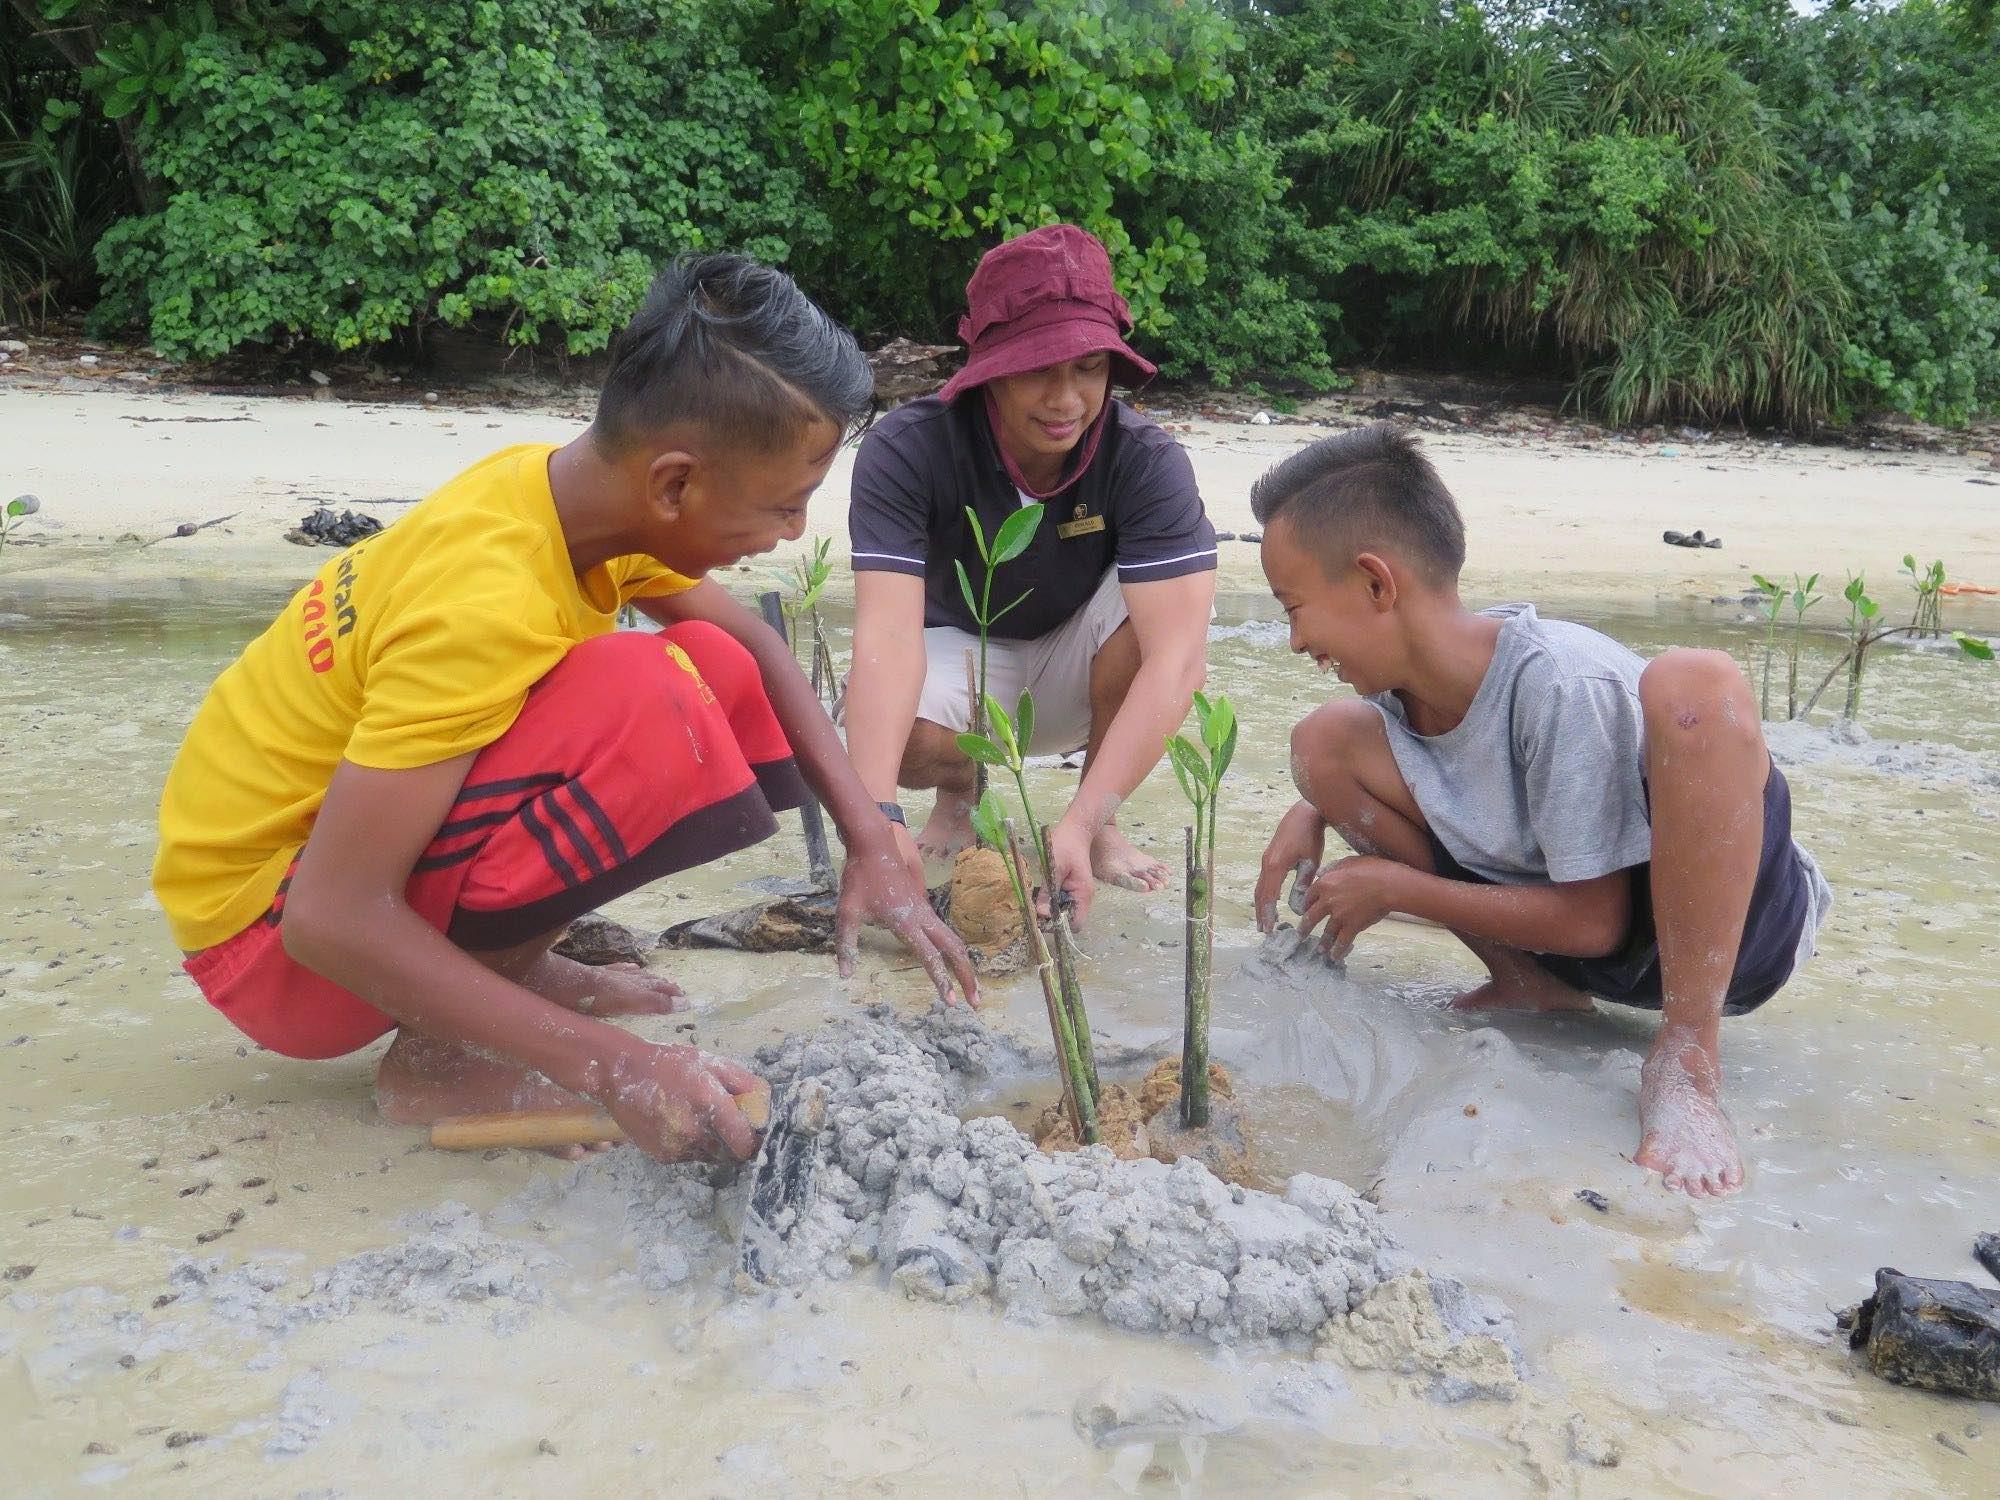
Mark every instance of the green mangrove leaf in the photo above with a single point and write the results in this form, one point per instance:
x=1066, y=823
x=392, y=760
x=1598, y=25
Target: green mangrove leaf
x=1016, y=532
x=1021, y=598
x=987, y=818
x=983, y=750
x=1002, y=728
x=978, y=535
x=1024, y=718
x=1973, y=646
x=965, y=588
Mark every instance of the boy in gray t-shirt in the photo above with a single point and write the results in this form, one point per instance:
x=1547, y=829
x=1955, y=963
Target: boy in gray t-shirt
x=1586, y=822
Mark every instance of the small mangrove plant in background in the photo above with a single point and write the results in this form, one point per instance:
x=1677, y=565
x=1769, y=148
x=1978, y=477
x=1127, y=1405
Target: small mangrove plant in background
x=810, y=573
x=1863, y=633
x=1199, y=766
x=1799, y=595
x=1003, y=748
x=1927, y=623
x=17, y=508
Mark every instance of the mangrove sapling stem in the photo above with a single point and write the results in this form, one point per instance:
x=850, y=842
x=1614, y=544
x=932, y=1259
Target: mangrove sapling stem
x=1072, y=988
x=1077, y=1094
x=1194, y=1028
x=1774, y=600
x=819, y=857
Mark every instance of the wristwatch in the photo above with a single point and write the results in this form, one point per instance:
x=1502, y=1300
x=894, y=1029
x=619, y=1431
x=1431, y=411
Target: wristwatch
x=893, y=811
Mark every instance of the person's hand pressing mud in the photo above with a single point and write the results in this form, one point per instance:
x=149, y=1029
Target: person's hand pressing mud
x=876, y=887
x=1350, y=896
x=677, y=1103
x=1300, y=838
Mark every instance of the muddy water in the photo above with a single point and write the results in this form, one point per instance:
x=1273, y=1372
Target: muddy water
x=133, y=1122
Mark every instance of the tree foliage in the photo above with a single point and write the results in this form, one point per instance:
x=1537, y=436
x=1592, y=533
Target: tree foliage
x=1707, y=209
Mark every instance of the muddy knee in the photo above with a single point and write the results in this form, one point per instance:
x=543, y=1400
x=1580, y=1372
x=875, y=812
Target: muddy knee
x=1331, y=746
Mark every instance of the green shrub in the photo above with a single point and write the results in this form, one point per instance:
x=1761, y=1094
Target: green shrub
x=347, y=170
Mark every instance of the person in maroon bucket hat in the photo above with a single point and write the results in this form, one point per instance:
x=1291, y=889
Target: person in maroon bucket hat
x=1113, y=637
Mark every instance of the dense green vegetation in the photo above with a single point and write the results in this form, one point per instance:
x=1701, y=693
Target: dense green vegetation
x=1707, y=209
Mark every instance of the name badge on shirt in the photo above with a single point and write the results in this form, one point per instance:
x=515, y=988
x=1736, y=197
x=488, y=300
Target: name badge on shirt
x=1081, y=524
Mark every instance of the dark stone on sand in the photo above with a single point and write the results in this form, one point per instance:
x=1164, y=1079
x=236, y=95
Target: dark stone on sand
x=322, y=528
x=780, y=924
x=1986, y=1250
x=1939, y=1336
x=1594, y=1198
x=596, y=940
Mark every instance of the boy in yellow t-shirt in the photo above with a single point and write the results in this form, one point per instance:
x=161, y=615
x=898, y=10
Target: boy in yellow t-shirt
x=442, y=750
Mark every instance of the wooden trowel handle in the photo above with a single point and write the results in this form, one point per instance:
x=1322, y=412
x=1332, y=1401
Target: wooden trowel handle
x=542, y=1129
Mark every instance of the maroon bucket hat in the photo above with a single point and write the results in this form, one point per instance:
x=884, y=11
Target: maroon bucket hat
x=1041, y=299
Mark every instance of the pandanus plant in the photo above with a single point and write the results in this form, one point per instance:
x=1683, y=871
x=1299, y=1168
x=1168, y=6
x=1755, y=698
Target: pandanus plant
x=1199, y=766
x=1003, y=748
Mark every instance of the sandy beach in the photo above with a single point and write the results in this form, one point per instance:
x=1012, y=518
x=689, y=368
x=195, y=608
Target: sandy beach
x=1559, y=517
x=225, y=1275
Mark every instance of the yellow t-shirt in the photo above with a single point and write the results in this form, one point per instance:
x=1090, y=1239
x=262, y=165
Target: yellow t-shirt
x=413, y=646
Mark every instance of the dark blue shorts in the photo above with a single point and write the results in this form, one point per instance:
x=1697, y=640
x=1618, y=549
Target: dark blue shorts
x=1780, y=904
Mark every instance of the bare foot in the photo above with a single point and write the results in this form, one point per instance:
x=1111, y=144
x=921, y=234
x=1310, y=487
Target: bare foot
x=1115, y=860
x=1683, y=1133
x=422, y=1080
x=604, y=989
x=948, y=829
x=1527, y=987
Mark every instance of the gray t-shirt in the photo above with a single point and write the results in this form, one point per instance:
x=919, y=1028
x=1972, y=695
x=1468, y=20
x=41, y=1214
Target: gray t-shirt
x=1543, y=780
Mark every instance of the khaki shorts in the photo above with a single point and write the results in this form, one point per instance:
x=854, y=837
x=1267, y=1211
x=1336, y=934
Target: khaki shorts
x=1054, y=667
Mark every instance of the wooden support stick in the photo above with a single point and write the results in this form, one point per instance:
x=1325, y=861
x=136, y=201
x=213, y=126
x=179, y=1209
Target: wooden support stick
x=542, y=1129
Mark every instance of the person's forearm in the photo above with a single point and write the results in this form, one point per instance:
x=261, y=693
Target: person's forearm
x=882, y=691
x=1533, y=918
x=406, y=968
x=1155, y=707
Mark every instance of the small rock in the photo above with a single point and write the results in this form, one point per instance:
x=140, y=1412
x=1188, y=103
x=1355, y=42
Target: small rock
x=1594, y=1198
x=1986, y=1250
x=183, y=1439
x=20, y=1273
x=1262, y=419
x=12, y=346
x=547, y=1448
x=186, y=528
x=319, y=377
x=86, y=359
x=430, y=398
x=593, y=939
x=1946, y=1440
x=96, y=1447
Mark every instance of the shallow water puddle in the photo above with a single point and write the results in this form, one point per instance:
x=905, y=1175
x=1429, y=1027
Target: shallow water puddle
x=1698, y=1336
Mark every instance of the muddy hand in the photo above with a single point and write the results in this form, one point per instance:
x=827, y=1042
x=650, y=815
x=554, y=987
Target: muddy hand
x=1350, y=895
x=677, y=1104
x=1299, y=839
x=1070, y=868
x=876, y=887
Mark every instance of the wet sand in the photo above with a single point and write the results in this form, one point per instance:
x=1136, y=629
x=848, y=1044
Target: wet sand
x=1696, y=1339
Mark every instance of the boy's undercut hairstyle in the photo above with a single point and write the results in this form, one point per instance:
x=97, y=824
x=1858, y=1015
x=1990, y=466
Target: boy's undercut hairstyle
x=1370, y=490
x=735, y=348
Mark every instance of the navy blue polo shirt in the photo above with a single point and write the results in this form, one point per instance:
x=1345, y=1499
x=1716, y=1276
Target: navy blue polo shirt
x=1135, y=506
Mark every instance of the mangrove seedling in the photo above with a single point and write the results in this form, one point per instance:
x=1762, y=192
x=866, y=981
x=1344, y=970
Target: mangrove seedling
x=1009, y=542
x=18, y=507
x=1802, y=599
x=1005, y=749
x=810, y=575
x=1774, y=602
x=1199, y=768
x=1927, y=623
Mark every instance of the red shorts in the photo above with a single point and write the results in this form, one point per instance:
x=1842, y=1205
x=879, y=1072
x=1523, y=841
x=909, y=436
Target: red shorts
x=639, y=755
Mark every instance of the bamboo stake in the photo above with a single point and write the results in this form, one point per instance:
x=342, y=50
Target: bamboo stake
x=1072, y=990
x=1077, y=1099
